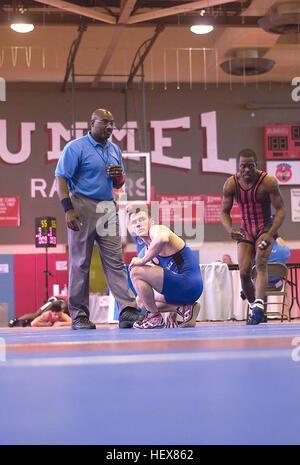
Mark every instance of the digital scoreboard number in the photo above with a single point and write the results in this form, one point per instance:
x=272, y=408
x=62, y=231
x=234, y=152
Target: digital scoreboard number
x=45, y=231
x=282, y=142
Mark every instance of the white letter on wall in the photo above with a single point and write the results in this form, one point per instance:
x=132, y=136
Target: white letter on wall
x=127, y=130
x=24, y=143
x=295, y=92
x=2, y=90
x=212, y=164
x=157, y=155
x=57, y=132
x=38, y=185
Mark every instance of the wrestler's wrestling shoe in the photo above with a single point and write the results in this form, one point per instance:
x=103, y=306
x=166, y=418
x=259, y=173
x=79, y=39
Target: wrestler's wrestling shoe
x=257, y=314
x=128, y=316
x=188, y=314
x=151, y=321
x=13, y=323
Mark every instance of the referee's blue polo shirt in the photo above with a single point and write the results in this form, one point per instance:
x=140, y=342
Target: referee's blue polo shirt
x=83, y=163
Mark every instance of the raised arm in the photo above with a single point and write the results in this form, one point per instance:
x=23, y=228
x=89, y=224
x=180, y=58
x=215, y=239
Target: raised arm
x=116, y=172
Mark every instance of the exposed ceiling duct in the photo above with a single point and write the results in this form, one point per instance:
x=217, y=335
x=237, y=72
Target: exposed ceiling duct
x=286, y=20
x=247, y=62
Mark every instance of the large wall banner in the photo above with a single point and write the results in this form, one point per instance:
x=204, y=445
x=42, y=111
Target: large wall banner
x=213, y=207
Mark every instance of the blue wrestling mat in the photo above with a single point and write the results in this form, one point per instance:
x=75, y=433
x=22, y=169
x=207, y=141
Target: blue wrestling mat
x=218, y=383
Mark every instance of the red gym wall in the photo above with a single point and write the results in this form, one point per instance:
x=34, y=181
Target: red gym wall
x=30, y=281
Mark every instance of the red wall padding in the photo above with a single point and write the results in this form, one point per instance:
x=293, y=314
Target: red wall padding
x=295, y=256
x=30, y=282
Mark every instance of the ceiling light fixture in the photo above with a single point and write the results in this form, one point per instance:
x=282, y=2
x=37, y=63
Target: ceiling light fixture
x=21, y=22
x=201, y=29
x=22, y=27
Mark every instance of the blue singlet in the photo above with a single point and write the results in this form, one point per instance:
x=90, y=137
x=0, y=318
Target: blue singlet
x=182, y=277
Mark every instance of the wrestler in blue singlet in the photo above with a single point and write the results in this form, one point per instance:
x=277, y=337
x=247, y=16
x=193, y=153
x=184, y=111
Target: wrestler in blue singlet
x=182, y=277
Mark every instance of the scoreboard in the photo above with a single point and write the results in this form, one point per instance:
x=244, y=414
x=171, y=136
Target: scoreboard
x=45, y=231
x=282, y=142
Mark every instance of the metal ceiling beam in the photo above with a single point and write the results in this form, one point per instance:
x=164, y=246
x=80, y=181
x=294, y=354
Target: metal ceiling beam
x=216, y=21
x=126, y=9
x=55, y=19
x=175, y=10
x=80, y=10
x=72, y=54
x=148, y=44
x=108, y=54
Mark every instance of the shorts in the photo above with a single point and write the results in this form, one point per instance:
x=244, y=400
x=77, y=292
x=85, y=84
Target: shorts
x=182, y=288
x=250, y=239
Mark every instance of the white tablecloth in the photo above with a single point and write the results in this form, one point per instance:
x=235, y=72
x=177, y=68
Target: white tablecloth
x=99, y=308
x=239, y=306
x=216, y=299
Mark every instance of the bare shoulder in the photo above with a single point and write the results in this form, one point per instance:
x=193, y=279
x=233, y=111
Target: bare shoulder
x=270, y=184
x=159, y=230
x=229, y=186
x=45, y=315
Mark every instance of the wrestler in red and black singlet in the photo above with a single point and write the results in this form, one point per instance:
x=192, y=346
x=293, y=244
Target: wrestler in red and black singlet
x=256, y=215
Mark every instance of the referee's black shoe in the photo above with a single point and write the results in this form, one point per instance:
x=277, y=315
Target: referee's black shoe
x=128, y=316
x=82, y=322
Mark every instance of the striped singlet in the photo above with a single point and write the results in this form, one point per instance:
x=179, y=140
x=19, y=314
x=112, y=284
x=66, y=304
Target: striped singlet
x=256, y=216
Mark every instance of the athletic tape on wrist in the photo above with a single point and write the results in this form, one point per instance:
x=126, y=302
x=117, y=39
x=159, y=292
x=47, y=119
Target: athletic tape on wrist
x=67, y=204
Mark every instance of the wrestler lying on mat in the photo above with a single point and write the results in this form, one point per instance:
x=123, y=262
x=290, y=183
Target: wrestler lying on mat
x=53, y=313
x=167, y=278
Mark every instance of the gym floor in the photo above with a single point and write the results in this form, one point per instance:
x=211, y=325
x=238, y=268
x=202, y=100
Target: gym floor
x=217, y=383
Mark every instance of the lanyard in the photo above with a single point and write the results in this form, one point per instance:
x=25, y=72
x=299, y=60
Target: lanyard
x=107, y=158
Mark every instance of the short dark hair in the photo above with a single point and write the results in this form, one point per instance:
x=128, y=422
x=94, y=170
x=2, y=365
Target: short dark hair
x=56, y=307
x=133, y=211
x=247, y=153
